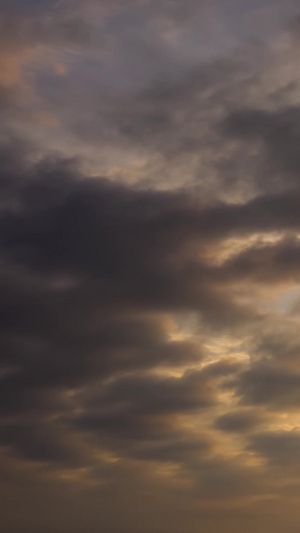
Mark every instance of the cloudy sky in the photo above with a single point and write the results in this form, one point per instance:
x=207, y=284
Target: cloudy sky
x=150, y=266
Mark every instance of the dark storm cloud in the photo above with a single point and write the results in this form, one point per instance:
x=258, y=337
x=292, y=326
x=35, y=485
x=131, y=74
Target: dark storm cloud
x=125, y=241
x=155, y=395
x=83, y=257
x=41, y=443
x=111, y=247
x=49, y=341
x=135, y=416
x=88, y=269
x=149, y=338
x=65, y=224
x=142, y=437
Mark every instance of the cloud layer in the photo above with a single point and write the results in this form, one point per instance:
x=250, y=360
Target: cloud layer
x=149, y=280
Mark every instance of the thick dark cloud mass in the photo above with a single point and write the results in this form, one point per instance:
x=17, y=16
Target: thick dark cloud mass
x=92, y=272
x=149, y=266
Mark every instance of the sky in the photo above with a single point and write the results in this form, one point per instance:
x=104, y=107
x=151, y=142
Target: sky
x=150, y=266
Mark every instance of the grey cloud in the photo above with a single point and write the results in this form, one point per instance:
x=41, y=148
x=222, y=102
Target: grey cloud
x=124, y=240
x=41, y=443
x=221, y=369
x=279, y=133
x=120, y=342
x=137, y=408
x=47, y=26
x=281, y=448
x=48, y=346
x=269, y=384
x=174, y=450
x=277, y=343
x=85, y=257
x=218, y=479
x=265, y=263
x=237, y=421
x=146, y=394
x=32, y=7
x=136, y=416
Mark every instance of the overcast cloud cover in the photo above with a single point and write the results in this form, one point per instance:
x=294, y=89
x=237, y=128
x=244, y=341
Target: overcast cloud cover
x=150, y=266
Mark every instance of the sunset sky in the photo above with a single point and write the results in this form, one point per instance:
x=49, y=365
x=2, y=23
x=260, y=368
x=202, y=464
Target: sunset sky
x=150, y=266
